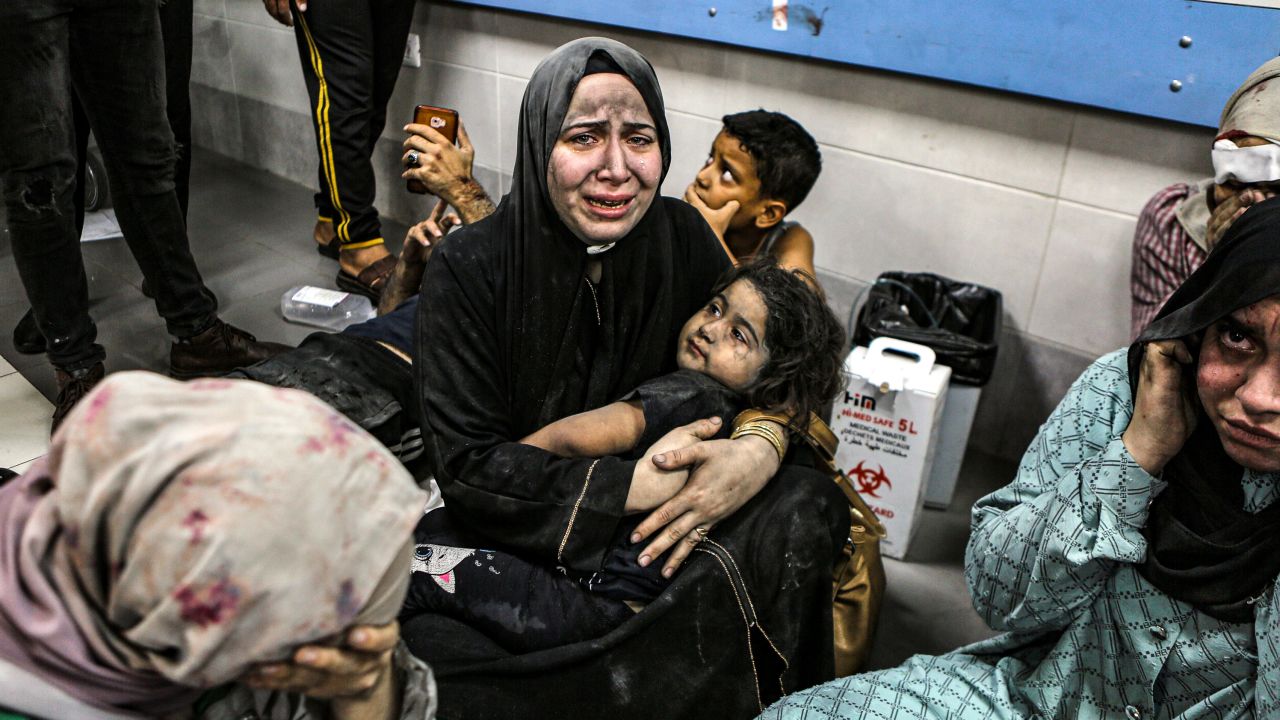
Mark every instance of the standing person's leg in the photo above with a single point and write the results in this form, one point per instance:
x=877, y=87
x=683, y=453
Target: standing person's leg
x=175, y=22
x=116, y=55
x=117, y=66
x=37, y=170
x=175, y=27
x=392, y=20
x=26, y=334
x=336, y=44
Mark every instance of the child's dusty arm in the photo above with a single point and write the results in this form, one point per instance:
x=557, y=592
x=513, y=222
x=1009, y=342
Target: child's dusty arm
x=610, y=430
x=794, y=250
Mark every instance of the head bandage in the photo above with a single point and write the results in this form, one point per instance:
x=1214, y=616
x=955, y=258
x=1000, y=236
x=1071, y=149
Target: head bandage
x=1257, y=164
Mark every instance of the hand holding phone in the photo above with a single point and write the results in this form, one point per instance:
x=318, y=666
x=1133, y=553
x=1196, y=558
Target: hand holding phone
x=422, y=152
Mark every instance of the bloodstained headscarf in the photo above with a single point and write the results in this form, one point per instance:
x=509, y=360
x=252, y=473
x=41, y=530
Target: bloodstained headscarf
x=178, y=533
x=1253, y=109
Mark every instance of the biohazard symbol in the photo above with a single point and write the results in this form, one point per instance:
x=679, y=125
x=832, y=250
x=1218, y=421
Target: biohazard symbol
x=870, y=481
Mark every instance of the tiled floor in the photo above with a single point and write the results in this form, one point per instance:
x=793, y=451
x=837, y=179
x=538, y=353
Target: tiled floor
x=25, y=434
x=251, y=236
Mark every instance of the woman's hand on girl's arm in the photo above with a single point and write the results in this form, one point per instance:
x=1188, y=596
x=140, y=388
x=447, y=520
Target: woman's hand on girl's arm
x=1164, y=413
x=651, y=485
x=725, y=474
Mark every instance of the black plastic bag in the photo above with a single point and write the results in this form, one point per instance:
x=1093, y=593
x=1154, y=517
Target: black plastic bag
x=960, y=321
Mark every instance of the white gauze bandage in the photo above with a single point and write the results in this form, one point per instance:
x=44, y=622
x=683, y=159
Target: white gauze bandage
x=1260, y=163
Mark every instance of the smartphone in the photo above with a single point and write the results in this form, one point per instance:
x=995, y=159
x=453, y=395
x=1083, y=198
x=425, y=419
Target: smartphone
x=443, y=121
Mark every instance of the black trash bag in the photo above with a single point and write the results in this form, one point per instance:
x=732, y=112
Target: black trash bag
x=960, y=321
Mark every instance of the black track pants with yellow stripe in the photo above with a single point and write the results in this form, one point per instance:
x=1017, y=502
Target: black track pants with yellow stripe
x=351, y=52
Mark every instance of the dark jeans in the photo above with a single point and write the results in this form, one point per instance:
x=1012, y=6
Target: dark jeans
x=111, y=52
x=175, y=26
x=351, y=52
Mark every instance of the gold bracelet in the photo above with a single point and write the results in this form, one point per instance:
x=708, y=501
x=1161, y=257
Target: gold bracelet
x=752, y=414
x=763, y=431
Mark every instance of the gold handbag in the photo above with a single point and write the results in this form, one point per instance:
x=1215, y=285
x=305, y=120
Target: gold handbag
x=858, y=576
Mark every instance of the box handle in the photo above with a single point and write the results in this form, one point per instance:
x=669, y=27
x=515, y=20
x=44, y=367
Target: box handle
x=892, y=376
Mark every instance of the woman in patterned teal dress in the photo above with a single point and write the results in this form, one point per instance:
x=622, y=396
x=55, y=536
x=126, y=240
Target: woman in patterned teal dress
x=1131, y=561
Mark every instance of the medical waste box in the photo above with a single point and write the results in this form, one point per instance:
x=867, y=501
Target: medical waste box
x=887, y=423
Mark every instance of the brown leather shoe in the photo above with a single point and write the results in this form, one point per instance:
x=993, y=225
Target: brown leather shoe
x=217, y=351
x=71, y=387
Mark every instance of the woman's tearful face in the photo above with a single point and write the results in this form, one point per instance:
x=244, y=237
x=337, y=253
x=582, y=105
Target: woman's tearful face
x=1239, y=383
x=606, y=164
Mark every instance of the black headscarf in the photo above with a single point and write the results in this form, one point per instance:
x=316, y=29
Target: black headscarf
x=509, y=338
x=560, y=359
x=1204, y=548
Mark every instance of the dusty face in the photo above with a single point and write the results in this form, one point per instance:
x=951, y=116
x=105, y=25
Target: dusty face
x=1238, y=381
x=725, y=339
x=606, y=164
x=730, y=174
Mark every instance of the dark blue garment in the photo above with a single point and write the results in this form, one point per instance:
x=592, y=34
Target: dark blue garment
x=395, y=328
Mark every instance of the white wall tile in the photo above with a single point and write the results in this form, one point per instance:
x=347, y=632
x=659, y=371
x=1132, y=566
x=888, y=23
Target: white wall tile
x=1119, y=161
x=868, y=215
x=252, y=12
x=691, y=72
x=210, y=8
x=473, y=93
x=1000, y=137
x=691, y=138
x=510, y=93
x=267, y=67
x=457, y=35
x=524, y=40
x=1083, y=296
x=211, y=60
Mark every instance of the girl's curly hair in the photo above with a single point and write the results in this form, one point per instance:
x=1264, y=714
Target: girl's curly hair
x=805, y=340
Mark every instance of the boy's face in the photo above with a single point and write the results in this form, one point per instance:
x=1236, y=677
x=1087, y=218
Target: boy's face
x=730, y=174
x=725, y=340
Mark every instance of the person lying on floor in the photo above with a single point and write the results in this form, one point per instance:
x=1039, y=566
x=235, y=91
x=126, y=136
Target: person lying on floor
x=1132, y=562
x=177, y=535
x=766, y=339
x=365, y=371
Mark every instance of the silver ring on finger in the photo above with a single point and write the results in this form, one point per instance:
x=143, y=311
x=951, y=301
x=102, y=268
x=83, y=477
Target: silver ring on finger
x=411, y=159
x=702, y=533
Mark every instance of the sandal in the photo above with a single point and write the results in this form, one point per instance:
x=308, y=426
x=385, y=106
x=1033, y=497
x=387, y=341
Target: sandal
x=371, y=280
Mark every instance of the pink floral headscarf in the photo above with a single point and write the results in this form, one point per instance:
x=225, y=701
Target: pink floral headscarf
x=178, y=533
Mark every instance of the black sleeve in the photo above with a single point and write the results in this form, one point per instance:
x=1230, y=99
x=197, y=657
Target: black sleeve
x=558, y=510
x=680, y=398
